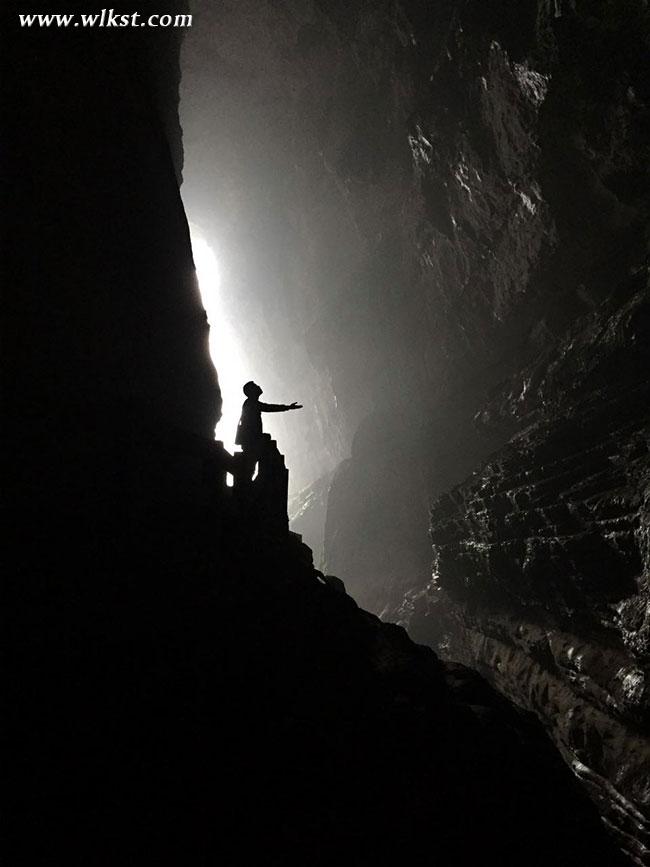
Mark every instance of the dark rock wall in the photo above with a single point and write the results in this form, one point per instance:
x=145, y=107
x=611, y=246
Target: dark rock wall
x=513, y=225
x=106, y=336
x=541, y=569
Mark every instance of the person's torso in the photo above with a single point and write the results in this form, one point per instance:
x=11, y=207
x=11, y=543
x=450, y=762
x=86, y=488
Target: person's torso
x=250, y=424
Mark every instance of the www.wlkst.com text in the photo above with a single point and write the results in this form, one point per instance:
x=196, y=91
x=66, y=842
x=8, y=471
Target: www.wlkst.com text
x=105, y=18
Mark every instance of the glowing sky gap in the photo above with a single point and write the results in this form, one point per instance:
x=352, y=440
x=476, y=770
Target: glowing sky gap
x=227, y=357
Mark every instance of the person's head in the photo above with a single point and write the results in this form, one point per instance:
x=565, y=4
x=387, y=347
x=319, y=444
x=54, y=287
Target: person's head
x=252, y=389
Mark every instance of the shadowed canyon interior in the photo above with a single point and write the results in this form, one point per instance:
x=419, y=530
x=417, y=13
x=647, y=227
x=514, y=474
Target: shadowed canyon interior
x=430, y=223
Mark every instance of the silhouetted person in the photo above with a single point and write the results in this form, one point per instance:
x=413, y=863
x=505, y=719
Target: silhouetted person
x=249, y=430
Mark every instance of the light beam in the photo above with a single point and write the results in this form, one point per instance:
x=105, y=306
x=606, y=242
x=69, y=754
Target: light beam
x=227, y=357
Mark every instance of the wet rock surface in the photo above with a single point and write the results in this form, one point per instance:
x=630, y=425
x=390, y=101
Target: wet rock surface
x=307, y=511
x=541, y=561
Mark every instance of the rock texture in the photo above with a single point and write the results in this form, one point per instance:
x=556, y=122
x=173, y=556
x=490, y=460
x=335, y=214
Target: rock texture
x=541, y=571
x=510, y=223
x=432, y=196
x=410, y=201
x=188, y=694
x=307, y=511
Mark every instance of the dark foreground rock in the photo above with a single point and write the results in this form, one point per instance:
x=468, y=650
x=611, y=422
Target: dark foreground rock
x=248, y=713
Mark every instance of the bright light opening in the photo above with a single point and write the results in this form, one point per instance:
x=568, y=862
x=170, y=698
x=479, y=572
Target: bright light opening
x=226, y=355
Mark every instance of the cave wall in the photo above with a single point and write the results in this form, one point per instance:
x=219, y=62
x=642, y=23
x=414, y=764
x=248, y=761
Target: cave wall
x=110, y=382
x=540, y=574
x=108, y=377
x=512, y=221
x=412, y=200
x=444, y=191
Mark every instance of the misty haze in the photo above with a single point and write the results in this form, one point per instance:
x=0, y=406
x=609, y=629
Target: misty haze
x=328, y=477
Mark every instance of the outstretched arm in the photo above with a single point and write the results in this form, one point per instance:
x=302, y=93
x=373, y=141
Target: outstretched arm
x=278, y=407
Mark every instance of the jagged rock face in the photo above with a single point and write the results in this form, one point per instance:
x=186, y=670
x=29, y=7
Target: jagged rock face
x=515, y=223
x=447, y=188
x=541, y=571
x=412, y=199
x=307, y=511
x=565, y=498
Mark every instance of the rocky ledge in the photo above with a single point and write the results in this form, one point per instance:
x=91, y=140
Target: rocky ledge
x=253, y=707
